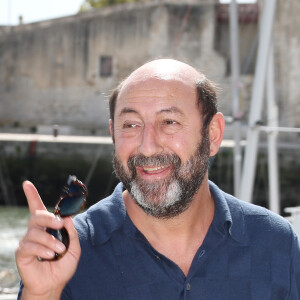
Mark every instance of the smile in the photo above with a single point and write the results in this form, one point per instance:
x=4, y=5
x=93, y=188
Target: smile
x=154, y=169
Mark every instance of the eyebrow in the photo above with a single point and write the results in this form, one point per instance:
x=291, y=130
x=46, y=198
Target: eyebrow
x=127, y=110
x=172, y=109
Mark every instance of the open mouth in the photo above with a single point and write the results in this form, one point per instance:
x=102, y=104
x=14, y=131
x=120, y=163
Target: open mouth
x=155, y=169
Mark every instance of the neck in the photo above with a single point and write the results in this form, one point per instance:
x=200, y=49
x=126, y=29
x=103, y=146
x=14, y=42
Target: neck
x=180, y=236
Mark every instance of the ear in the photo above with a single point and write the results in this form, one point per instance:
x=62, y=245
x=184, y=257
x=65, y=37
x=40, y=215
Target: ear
x=111, y=129
x=216, y=132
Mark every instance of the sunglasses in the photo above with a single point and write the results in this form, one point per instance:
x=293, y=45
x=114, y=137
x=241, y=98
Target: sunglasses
x=71, y=201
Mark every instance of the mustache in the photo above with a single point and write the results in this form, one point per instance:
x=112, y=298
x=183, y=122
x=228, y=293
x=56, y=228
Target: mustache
x=141, y=160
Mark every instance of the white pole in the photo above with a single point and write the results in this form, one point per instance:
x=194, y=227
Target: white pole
x=249, y=167
x=235, y=74
x=274, y=199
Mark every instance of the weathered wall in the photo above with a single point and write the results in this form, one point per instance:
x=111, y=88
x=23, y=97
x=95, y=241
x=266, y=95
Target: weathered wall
x=50, y=70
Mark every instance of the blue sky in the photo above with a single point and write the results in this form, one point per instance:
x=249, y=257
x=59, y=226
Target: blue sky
x=37, y=10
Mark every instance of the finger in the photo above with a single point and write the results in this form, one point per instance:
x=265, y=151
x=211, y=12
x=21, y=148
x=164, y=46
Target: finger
x=45, y=239
x=33, y=198
x=43, y=219
x=31, y=250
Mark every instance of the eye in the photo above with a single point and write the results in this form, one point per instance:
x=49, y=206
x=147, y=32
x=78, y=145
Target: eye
x=170, y=126
x=129, y=125
x=170, y=122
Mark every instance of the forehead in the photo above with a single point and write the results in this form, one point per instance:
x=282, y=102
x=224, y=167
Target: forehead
x=156, y=93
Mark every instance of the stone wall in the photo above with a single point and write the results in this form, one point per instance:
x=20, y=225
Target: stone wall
x=50, y=70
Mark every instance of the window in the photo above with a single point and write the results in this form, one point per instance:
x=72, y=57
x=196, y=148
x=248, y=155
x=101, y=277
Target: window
x=105, y=66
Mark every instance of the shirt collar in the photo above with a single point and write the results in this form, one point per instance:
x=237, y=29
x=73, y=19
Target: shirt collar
x=106, y=216
x=109, y=215
x=229, y=216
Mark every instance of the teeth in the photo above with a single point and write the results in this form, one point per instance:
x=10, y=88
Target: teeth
x=152, y=169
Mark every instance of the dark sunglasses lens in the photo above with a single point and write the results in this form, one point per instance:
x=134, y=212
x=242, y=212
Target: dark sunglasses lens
x=70, y=205
x=73, y=198
x=75, y=189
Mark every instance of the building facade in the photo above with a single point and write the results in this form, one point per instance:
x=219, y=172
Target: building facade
x=61, y=71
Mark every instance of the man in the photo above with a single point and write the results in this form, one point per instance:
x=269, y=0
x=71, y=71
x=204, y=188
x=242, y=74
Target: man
x=166, y=232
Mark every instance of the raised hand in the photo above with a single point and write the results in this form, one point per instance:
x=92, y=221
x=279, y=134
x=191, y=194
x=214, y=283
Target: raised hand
x=45, y=279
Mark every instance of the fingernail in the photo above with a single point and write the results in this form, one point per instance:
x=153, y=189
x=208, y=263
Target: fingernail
x=24, y=182
x=60, y=247
x=56, y=220
x=49, y=253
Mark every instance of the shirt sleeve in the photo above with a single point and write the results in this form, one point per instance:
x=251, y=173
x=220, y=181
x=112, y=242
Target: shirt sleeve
x=295, y=269
x=66, y=294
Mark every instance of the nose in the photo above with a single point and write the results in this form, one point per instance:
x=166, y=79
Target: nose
x=150, y=142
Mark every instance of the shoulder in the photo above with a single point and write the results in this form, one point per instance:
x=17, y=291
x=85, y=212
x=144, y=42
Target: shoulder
x=254, y=213
x=262, y=227
x=251, y=222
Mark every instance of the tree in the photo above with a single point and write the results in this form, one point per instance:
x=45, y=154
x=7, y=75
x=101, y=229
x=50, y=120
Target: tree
x=92, y=4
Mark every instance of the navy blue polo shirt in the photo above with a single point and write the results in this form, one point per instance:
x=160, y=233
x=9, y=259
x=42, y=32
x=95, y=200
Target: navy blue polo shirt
x=248, y=253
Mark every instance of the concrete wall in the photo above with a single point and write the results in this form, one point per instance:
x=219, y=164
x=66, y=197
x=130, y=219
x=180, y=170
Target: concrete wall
x=49, y=70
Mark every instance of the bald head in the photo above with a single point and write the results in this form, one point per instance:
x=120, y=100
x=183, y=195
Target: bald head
x=165, y=69
x=170, y=70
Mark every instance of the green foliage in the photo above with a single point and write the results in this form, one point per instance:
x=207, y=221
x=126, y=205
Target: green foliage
x=92, y=4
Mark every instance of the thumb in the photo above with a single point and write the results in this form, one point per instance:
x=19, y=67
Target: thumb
x=33, y=198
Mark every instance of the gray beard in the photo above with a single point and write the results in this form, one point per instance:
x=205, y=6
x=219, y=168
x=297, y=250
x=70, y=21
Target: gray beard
x=171, y=196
